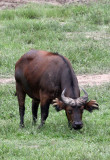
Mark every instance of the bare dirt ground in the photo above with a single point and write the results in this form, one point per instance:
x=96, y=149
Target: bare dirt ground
x=4, y=4
x=84, y=80
x=92, y=80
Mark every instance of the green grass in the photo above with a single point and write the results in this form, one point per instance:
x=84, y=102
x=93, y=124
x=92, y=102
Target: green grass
x=82, y=34
x=55, y=141
x=62, y=29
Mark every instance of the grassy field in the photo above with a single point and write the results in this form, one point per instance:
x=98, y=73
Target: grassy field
x=79, y=32
x=55, y=141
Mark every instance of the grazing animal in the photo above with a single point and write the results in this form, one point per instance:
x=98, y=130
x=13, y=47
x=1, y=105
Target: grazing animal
x=49, y=78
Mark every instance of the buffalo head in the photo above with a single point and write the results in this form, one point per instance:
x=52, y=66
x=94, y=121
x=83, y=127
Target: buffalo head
x=74, y=108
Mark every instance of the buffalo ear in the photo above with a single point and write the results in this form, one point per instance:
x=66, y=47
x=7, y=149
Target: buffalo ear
x=57, y=108
x=91, y=105
x=59, y=105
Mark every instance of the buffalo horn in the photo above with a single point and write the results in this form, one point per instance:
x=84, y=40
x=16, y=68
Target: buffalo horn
x=74, y=102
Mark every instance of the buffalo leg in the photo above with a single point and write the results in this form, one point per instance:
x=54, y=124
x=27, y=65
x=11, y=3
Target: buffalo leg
x=44, y=104
x=21, y=101
x=44, y=113
x=35, y=105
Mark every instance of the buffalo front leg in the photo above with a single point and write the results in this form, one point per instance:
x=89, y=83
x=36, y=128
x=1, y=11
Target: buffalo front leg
x=44, y=113
x=35, y=105
x=21, y=101
x=44, y=104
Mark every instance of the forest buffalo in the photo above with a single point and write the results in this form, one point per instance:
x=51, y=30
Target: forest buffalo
x=48, y=78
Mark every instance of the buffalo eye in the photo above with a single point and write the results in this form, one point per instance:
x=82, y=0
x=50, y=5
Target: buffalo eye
x=70, y=111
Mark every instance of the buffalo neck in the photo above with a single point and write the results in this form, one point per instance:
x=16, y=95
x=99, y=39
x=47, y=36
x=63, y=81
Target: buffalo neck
x=70, y=82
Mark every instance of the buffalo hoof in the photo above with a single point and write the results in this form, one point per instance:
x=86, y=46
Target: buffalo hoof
x=34, y=123
x=70, y=125
x=21, y=126
x=41, y=125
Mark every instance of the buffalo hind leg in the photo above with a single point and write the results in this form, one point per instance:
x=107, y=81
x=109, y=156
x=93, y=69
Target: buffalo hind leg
x=21, y=101
x=35, y=105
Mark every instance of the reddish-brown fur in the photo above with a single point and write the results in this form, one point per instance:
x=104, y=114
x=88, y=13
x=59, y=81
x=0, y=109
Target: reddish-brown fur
x=43, y=76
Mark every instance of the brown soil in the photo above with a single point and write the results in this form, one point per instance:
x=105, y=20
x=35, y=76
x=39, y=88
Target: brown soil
x=84, y=80
x=6, y=80
x=92, y=80
x=4, y=4
x=98, y=35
